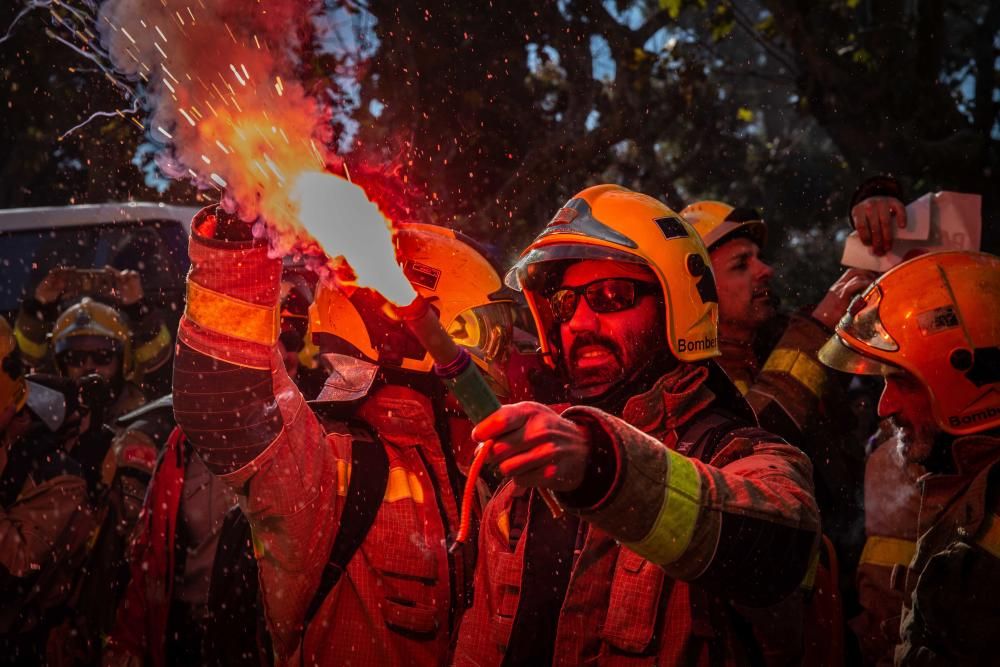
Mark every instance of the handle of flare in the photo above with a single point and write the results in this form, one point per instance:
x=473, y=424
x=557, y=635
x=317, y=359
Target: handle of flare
x=454, y=366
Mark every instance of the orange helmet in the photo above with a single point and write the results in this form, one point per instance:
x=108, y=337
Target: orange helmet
x=13, y=388
x=935, y=317
x=715, y=222
x=611, y=222
x=459, y=282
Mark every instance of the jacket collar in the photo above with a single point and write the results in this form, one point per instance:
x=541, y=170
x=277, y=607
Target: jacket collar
x=672, y=400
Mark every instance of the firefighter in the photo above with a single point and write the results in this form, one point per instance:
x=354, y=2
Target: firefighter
x=930, y=328
x=351, y=506
x=44, y=515
x=123, y=291
x=678, y=504
x=91, y=345
x=792, y=393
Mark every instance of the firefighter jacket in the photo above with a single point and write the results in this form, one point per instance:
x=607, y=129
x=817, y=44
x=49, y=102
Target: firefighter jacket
x=140, y=633
x=800, y=399
x=45, y=521
x=655, y=564
x=952, y=610
x=892, y=505
x=402, y=592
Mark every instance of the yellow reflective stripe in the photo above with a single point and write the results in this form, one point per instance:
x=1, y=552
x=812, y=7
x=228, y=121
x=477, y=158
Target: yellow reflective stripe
x=989, y=535
x=888, y=551
x=503, y=523
x=809, y=580
x=343, y=476
x=674, y=526
x=232, y=317
x=742, y=386
x=403, y=484
x=28, y=347
x=416, y=488
x=800, y=366
x=151, y=349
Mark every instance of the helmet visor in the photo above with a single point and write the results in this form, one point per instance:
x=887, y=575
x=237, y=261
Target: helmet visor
x=521, y=273
x=486, y=331
x=864, y=323
x=836, y=354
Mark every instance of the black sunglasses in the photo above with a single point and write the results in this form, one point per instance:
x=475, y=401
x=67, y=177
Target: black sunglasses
x=78, y=358
x=605, y=295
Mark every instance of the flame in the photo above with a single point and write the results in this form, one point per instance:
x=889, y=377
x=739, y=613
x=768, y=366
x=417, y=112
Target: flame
x=220, y=80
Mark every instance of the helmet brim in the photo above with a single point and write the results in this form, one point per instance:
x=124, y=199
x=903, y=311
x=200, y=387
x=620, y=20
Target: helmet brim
x=838, y=355
x=755, y=230
x=561, y=252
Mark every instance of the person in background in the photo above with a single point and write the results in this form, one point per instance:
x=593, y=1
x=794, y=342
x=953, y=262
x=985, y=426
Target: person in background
x=45, y=518
x=930, y=328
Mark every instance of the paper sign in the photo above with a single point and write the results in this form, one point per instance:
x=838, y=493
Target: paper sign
x=955, y=223
x=918, y=219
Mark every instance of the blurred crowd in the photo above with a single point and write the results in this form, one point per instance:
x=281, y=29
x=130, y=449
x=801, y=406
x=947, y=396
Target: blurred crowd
x=686, y=468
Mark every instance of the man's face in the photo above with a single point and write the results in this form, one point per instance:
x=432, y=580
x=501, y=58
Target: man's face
x=907, y=405
x=600, y=350
x=91, y=354
x=743, y=282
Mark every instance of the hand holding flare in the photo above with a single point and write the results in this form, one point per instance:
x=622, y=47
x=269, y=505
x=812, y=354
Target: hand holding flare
x=362, y=235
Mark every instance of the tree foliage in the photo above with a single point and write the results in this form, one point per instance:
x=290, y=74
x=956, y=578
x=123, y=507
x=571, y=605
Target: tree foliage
x=491, y=114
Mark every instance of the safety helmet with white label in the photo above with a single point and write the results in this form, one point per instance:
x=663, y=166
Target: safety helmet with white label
x=609, y=222
x=717, y=222
x=936, y=318
x=459, y=282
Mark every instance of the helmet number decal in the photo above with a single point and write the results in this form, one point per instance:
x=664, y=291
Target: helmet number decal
x=937, y=320
x=671, y=227
x=422, y=275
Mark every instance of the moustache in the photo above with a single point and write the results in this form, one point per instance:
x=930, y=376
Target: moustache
x=589, y=338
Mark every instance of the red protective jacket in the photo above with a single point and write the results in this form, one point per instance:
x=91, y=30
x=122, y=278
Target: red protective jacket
x=141, y=625
x=402, y=593
x=657, y=562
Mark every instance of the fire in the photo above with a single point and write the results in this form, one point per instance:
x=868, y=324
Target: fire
x=220, y=79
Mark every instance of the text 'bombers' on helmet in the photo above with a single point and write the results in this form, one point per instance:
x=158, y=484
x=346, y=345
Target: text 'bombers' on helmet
x=936, y=317
x=614, y=223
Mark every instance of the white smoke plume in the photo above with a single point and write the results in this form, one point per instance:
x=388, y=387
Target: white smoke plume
x=219, y=81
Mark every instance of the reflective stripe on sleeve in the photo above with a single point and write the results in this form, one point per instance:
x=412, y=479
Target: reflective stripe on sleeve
x=888, y=551
x=28, y=347
x=232, y=317
x=800, y=366
x=153, y=348
x=674, y=526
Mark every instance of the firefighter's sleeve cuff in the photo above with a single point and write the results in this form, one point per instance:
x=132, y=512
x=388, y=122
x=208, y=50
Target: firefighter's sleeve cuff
x=654, y=502
x=233, y=286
